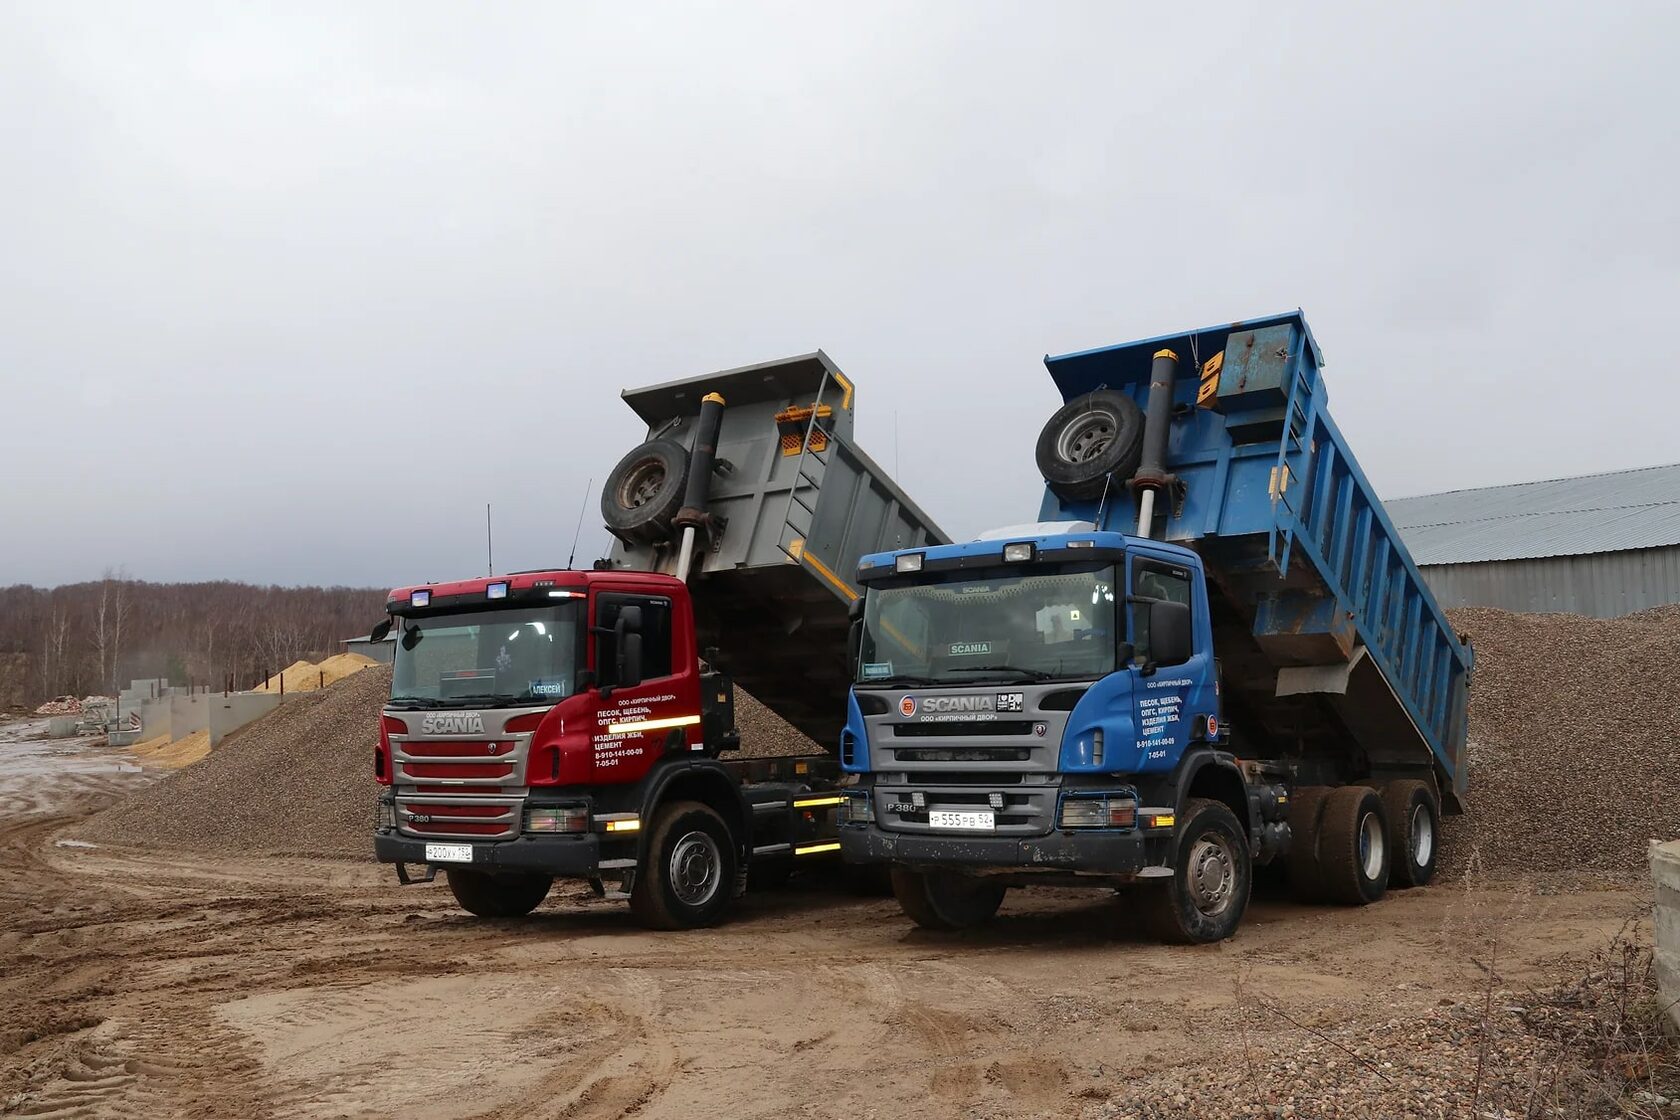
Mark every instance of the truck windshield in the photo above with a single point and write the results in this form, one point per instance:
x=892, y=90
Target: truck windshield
x=484, y=659
x=1034, y=624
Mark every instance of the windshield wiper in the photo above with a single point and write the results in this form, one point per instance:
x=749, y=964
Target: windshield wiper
x=1025, y=673
x=495, y=699
x=414, y=702
x=898, y=678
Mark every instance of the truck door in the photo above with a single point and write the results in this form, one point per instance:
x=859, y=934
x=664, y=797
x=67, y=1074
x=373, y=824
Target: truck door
x=1164, y=696
x=635, y=723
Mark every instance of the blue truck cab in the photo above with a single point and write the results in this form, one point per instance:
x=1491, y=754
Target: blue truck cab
x=1211, y=653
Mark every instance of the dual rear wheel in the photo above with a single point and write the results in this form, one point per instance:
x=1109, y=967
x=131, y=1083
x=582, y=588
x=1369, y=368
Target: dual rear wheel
x=1349, y=844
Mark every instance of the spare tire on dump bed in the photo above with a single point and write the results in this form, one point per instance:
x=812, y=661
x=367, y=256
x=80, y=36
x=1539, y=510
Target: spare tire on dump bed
x=645, y=490
x=1090, y=441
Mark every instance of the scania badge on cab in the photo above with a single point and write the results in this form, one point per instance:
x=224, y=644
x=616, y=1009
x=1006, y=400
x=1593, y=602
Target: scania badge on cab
x=1213, y=651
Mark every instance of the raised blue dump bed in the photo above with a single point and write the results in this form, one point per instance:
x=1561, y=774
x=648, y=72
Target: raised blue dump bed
x=1329, y=638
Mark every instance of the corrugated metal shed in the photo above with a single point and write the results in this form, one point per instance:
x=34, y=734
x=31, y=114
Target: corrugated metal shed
x=1603, y=585
x=1594, y=513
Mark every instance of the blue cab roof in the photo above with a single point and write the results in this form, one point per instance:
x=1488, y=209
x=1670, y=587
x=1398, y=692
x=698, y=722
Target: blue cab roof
x=1040, y=542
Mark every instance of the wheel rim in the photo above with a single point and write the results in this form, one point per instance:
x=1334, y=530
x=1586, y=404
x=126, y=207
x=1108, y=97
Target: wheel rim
x=1085, y=437
x=696, y=866
x=642, y=484
x=1423, y=835
x=1211, y=874
x=1370, y=846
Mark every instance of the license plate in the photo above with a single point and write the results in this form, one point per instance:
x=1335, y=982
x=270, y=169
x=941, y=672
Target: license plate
x=448, y=853
x=979, y=820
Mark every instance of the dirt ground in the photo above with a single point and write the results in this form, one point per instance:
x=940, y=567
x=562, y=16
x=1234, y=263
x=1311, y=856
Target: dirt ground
x=148, y=984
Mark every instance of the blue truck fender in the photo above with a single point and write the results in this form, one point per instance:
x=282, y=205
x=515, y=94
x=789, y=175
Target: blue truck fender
x=1206, y=771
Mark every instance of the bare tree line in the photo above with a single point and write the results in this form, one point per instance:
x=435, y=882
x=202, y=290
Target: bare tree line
x=84, y=638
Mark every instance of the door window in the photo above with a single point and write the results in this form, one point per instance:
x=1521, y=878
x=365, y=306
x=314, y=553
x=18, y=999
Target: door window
x=656, y=636
x=1152, y=581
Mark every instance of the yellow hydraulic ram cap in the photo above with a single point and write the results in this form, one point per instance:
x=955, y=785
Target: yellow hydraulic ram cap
x=718, y=397
x=1165, y=353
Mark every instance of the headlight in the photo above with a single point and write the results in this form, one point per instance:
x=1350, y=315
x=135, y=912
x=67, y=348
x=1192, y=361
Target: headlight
x=384, y=815
x=560, y=818
x=1105, y=811
x=857, y=809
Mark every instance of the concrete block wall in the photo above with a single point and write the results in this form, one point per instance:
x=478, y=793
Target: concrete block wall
x=1665, y=924
x=154, y=718
x=229, y=713
x=188, y=714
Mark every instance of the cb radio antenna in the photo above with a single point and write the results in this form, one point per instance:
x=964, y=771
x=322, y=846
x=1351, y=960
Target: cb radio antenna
x=578, y=532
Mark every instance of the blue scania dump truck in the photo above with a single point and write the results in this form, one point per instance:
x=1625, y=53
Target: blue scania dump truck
x=1212, y=652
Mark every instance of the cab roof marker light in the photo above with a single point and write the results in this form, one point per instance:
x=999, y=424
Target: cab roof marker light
x=496, y=590
x=1082, y=544
x=420, y=598
x=909, y=562
x=1017, y=553
x=565, y=594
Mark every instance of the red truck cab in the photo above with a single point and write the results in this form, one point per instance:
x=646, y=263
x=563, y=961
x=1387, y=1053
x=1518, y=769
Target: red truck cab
x=561, y=723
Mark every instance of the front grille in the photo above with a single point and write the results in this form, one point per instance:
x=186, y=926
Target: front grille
x=963, y=727
x=962, y=754
x=468, y=817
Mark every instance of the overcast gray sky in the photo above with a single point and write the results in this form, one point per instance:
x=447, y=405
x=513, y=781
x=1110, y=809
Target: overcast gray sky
x=287, y=293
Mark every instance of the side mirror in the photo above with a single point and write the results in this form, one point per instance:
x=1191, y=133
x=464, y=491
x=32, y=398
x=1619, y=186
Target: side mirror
x=854, y=645
x=854, y=609
x=629, y=620
x=1170, y=641
x=629, y=660
x=380, y=631
x=411, y=636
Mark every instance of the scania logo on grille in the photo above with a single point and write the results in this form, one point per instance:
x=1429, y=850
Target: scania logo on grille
x=958, y=704
x=452, y=723
x=907, y=706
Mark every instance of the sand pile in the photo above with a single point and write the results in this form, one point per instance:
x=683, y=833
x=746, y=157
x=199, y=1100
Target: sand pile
x=173, y=754
x=299, y=780
x=1574, y=741
x=307, y=676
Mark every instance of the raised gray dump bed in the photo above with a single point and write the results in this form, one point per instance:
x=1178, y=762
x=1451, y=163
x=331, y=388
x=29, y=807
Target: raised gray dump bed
x=792, y=504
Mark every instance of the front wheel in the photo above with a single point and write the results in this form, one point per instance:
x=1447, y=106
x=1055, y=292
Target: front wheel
x=688, y=878
x=1206, y=897
x=498, y=896
x=942, y=901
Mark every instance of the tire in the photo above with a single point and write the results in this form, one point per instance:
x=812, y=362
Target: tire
x=497, y=896
x=1205, y=899
x=1414, y=832
x=645, y=490
x=1090, y=440
x=1306, y=811
x=944, y=901
x=687, y=879
x=1353, y=850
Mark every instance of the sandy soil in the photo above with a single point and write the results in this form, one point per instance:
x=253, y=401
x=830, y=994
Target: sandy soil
x=147, y=984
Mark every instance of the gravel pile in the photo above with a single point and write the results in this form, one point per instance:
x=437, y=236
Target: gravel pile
x=764, y=734
x=1574, y=742
x=298, y=781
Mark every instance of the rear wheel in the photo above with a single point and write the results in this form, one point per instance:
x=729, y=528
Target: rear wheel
x=498, y=896
x=1414, y=833
x=1306, y=810
x=1353, y=846
x=688, y=875
x=940, y=900
x=1205, y=899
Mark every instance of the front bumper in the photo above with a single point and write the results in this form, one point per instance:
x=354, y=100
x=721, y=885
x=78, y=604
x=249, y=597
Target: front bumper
x=565, y=857
x=1124, y=854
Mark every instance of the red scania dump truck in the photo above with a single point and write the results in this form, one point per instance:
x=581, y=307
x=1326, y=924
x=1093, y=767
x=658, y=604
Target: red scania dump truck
x=580, y=724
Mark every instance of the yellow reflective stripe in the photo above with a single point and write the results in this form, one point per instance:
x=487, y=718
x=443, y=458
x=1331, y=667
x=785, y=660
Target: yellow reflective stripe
x=651, y=724
x=813, y=849
x=822, y=570
x=818, y=801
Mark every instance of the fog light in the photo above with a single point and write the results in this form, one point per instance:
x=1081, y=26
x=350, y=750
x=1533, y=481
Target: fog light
x=560, y=818
x=1017, y=553
x=857, y=808
x=909, y=562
